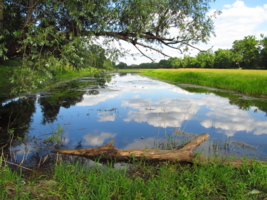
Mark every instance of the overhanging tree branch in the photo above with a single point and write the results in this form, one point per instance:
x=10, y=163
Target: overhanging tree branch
x=148, y=36
x=143, y=53
x=122, y=20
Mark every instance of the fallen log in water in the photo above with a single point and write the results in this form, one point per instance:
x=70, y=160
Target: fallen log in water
x=185, y=154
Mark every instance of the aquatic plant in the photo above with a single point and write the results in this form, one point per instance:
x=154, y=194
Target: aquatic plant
x=56, y=136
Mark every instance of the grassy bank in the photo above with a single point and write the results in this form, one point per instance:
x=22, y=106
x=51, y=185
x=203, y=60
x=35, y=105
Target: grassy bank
x=252, y=82
x=6, y=70
x=66, y=76
x=165, y=181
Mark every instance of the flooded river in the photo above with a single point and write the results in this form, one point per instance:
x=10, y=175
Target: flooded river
x=135, y=112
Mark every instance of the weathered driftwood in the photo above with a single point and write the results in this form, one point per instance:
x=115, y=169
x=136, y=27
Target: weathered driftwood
x=185, y=154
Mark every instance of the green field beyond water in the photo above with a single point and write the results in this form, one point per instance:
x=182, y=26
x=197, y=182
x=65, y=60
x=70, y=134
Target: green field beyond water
x=250, y=82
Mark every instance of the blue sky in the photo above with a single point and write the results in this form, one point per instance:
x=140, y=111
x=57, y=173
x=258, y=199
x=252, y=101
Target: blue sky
x=250, y=3
x=239, y=18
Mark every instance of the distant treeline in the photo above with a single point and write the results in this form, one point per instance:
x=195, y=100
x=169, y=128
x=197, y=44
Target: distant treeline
x=248, y=53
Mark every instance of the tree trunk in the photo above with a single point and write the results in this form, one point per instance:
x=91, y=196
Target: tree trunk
x=1, y=17
x=31, y=5
x=186, y=154
x=1, y=25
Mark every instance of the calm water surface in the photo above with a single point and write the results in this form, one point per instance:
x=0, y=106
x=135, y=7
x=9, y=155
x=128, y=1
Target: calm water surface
x=137, y=112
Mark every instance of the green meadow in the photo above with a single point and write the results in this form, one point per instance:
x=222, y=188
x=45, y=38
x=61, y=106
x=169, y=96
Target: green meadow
x=250, y=82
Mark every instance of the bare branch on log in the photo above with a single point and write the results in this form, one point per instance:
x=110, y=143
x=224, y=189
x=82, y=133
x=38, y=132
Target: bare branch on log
x=109, y=151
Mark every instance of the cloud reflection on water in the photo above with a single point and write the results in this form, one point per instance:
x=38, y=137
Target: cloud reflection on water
x=106, y=116
x=90, y=100
x=141, y=144
x=230, y=118
x=163, y=113
x=171, y=112
x=95, y=139
x=130, y=83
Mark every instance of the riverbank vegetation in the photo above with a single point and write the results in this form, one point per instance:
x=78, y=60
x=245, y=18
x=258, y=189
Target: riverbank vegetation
x=33, y=82
x=252, y=82
x=249, y=53
x=140, y=181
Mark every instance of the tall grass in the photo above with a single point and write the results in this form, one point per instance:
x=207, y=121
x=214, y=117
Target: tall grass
x=244, y=81
x=164, y=181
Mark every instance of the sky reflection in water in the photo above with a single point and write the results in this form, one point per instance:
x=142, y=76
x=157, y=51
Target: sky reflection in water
x=131, y=107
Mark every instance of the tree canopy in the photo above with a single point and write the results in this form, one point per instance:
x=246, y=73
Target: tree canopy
x=45, y=30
